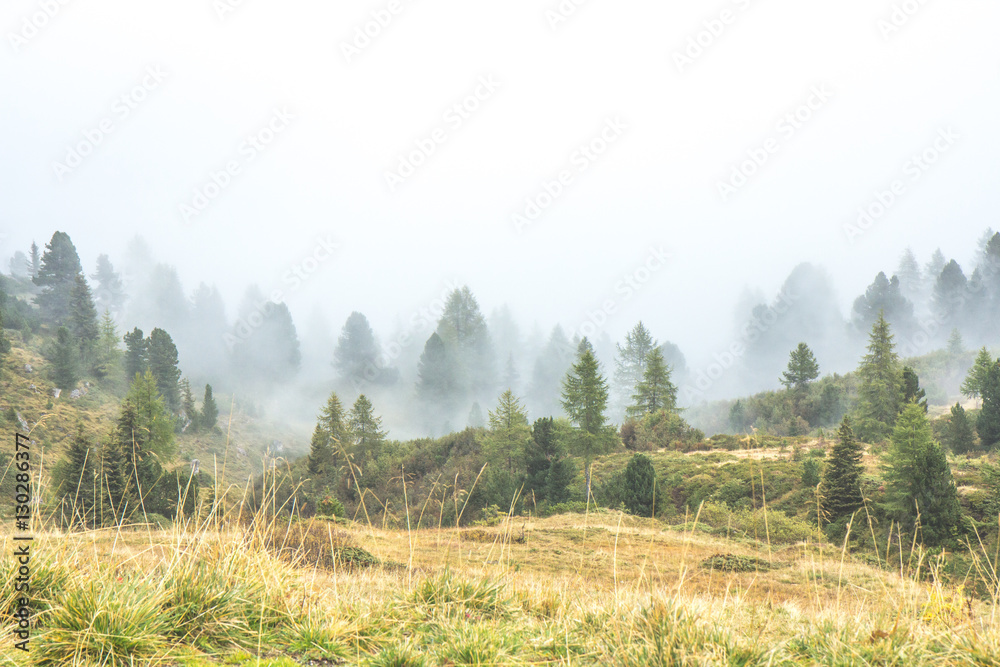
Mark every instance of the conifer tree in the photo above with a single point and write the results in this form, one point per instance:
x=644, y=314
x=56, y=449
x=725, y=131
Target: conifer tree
x=974, y=381
x=585, y=398
x=630, y=364
x=136, y=354
x=34, y=263
x=366, y=429
x=163, y=363
x=918, y=480
x=879, y=392
x=107, y=354
x=912, y=393
x=802, y=368
x=187, y=403
x=109, y=294
x=209, y=410
x=841, y=485
x=83, y=315
x=60, y=265
x=330, y=436
x=4, y=341
x=78, y=483
x=639, y=488
x=508, y=435
x=988, y=422
x=959, y=435
x=65, y=361
x=655, y=391
x=115, y=501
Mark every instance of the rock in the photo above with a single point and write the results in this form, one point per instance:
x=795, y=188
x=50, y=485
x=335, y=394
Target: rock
x=75, y=394
x=194, y=466
x=55, y=392
x=22, y=422
x=28, y=368
x=241, y=451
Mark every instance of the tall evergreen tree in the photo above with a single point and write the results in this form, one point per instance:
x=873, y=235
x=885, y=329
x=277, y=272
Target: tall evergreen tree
x=508, y=435
x=65, y=361
x=4, y=341
x=655, y=391
x=912, y=393
x=265, y=345
x=639, y=488
x=356, y=357
x=976, y=379
x=950, y=291
x=910, y=280
x=366, y=430
x=57, y=274
x=802, y=368
x=77, y=484
x=136, y=354
x=918, y=480
x=548, y=471
x=630, y=363
x=841, y=485
x=209, y=415
x=959, y=435
x=163, y=364
x=115, y=500
x=464, y=330
x=330, y=437
x=35, y=264
x=187, y=404
x=107, y=355
x=988, y=422
x=886, y=296
x=585, y=398
x=153, y=418
x=511, y=378
x=933, y=268
x=83, y=316
x=110, y=294
x=880, y=391
x=549, y=370
x=436, y=383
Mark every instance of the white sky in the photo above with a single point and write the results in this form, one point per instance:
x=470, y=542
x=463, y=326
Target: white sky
x=655, y=186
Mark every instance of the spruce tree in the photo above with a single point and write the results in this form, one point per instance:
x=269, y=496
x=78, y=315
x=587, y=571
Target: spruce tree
x=655, y=391
x=366, y=429
x=918, y=480
x=507, y=439
x=83, y=316
x=912, y=393
x=209, y=411
x=841, y=485
x=65, y=361
x=34, y=264
x=802, y=368
x=630, y=363
x=187, y=403
x=988, y=422
x=330, y=437
x=585, y=398
x=974, y=381
x=115, y=497
x=107, y=354
x=77, y=484
x=437, y=386
x=136, y=354
x=959, y=435
x=640, y=492
x=163, y=363
x=154, y=419
x=109, y=294
x=56, y=276
x=879, y=391
x=356, y=357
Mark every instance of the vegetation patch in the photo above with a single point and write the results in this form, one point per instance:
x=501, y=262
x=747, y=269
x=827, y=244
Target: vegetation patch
x=736, y=563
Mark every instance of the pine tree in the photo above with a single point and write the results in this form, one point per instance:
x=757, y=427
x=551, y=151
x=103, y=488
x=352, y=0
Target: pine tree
x=841, y=485
x=34, y=264
x=639, y=488
x=476, y=419
x=879, y=392
x=366, y=430
x=630, y=364
x=153, y=418
x=959, y=435
x=209, y=411
x=802, y=368
x=974, y=381
x=655, y=392
x=187, y=403
x=508, y=435
x=436, y=383
x=910, y=280
x=330, y=437
x=912, y=393
x=136, y=354
x=463, y=328
x=585, y=398
x=918, y=480
x=115, y=500
x=56, y=276
x=65, y=361
x=83, y=316
x=988, y=422
x=886, y=296
x=321, y=456
x=356, y=357
x=107, y=354
x=266, y=348
x=511, y=378
x=77, y=485
x=547, y=375
x=110, y=293
x=163, y=363
x=950, y=290
x=956, y=346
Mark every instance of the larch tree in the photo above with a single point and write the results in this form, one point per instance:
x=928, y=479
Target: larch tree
x=585, y=398
x=366, y=430
x=630, y=363
x=880, y=384
x=972, y=386
x=655, y=391
x=508, y=434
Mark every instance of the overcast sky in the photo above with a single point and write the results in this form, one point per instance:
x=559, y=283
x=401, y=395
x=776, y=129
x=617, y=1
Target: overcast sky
x=670, y=98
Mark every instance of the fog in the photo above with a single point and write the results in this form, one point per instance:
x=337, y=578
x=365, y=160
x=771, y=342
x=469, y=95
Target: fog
x=583, y=165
